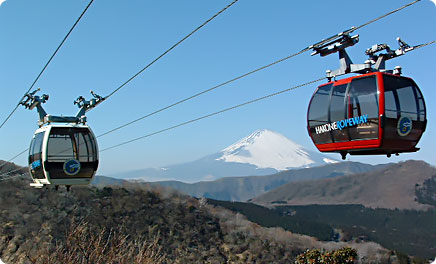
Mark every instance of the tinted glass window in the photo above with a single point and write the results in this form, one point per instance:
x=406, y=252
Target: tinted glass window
x=421, y=105
x=318, y=114
x=363, y=102
x=318, y=110
x=35, y=156
x=36, y=145
x=71, y=143
x=390, y=105
x=405, y=91
x=364, y=97
x=86, y=147
x=60, y=148
x=408, y=104
x=337, y=106
x=338, y=111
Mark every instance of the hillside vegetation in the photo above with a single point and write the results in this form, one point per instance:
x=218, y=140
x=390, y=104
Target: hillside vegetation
x=45, y=226
x=409, y=231
x=395, y=186
x=426, y=192
x=7, y=169
x=139, y=223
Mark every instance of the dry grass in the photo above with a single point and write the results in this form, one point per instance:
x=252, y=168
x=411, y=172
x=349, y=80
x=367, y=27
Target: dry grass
x=84, y=244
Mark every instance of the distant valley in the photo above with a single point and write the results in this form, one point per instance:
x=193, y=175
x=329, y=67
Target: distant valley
x=244, y=188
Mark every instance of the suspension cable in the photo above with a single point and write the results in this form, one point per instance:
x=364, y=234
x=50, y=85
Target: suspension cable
x=205, y=91
x=253, y=71
x=188, y=122
x=14, y=157
x=48, y=62
x=200, y=93
x=231, y=108
x=130, y=79
x=13, y=176
x=171, y=48
x=425, y=44
x=387, y=14
x=12, y=171
x=215, y=113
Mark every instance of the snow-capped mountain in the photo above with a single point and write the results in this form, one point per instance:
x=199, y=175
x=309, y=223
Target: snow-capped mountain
x=263, y=152
x=268, y=149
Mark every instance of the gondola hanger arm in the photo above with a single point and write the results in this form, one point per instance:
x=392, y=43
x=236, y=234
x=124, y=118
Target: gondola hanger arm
x=86, y=105
x=31, y=100
x=376, y=61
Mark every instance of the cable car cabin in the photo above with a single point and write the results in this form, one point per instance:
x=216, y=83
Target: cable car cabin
x=374, y=113
x=63, y=155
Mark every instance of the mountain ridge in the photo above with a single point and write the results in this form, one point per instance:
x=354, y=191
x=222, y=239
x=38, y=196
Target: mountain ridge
x=263, y=152
x=393, y=187
x=247, y=187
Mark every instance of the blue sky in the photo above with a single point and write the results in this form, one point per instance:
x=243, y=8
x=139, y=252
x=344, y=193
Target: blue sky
x=115, y=39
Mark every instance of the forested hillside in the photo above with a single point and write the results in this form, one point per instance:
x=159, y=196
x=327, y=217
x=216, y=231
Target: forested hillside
x=404, y=185
x=156, y=226
x=409, y=231
x=244, y=188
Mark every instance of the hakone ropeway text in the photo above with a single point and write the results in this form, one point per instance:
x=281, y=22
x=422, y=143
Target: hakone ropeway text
x=354, y=121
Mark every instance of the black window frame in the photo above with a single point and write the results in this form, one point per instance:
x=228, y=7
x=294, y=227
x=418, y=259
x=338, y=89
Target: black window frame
x=374, y=119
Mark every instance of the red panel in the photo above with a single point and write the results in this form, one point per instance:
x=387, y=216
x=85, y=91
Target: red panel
x=349, y=145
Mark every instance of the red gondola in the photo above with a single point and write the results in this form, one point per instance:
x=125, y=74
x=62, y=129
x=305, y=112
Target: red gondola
x=376, y=112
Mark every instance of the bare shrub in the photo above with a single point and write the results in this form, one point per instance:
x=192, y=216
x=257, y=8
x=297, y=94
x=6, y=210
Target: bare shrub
x=84, y=244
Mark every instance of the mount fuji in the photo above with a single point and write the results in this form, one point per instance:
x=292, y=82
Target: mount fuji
x=263, y=152
x=268, y=149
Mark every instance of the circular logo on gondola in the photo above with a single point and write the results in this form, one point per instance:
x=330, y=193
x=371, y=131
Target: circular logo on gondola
x=404, y=126
x=71, y=167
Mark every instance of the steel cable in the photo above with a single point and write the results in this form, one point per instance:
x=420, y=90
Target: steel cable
x=48, y=62
x=253, y=71
x=213, y=114
x=208, y=90
x=14, y=157
x=12, y=171
x=14, y=176
x=171, y=48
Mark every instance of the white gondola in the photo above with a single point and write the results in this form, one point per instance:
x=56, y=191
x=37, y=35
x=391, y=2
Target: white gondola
x=64, y=154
